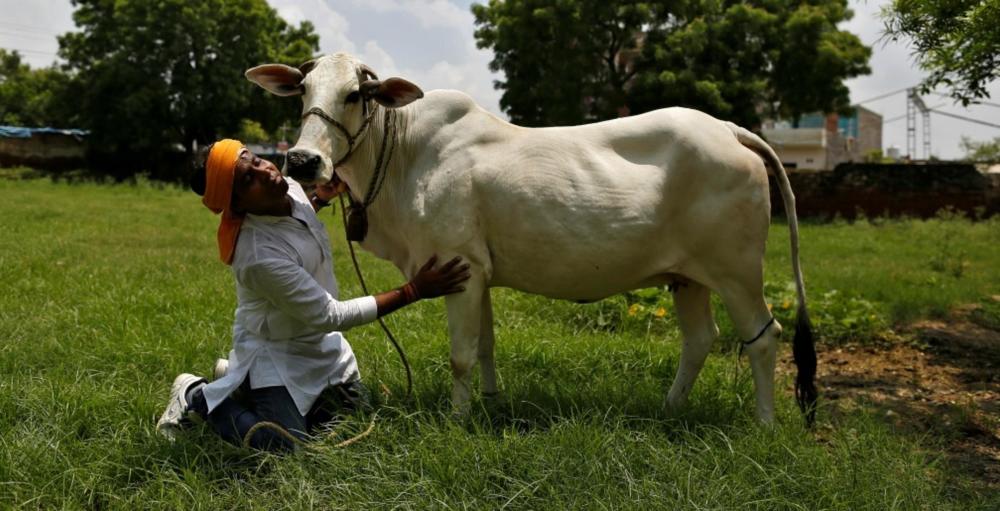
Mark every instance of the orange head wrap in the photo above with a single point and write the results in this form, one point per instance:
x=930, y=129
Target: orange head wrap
x=219, y=170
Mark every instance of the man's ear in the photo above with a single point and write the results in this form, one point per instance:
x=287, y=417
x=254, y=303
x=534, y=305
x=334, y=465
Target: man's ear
x=391, y=93
x=278, y=79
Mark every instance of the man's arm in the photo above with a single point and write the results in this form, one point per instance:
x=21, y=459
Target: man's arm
x=294, y=291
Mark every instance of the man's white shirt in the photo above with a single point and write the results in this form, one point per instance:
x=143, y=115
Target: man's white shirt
x=288, y=318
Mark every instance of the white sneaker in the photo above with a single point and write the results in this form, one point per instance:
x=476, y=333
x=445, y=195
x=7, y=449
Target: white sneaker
x=169, y=424
x=221, y=366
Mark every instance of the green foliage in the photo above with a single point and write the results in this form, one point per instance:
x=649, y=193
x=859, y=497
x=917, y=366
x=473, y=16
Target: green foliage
x=836, y=317
x=957, y=41
x=739, y=60
x=647, y=311
x=985, y=151
x=564, y=61
x=31, y=97
x=153, y=75
x=571, y=62
x=251, y=132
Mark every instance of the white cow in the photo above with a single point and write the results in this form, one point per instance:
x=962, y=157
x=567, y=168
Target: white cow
x=670, y=197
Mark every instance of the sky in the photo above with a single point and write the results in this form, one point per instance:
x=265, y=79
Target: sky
x=430, y=42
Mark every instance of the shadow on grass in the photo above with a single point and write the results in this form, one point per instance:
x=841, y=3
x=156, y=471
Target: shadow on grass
x=944, y=390
x=536, y=407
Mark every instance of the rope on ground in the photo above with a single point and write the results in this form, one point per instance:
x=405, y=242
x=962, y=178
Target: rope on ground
x=284, y=433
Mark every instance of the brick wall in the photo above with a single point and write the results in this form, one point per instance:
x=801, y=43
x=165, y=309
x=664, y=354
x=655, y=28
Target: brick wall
x=43, y=151
x=895, y=189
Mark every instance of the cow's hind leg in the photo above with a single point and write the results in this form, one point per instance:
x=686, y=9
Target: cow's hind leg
x=465, y=322
x=698, y=329
x=744, y=299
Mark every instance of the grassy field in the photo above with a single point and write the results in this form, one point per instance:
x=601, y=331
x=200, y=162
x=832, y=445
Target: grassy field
x=110, y=291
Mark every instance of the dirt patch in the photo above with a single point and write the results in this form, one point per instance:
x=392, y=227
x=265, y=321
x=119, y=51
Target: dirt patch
x=942, y=379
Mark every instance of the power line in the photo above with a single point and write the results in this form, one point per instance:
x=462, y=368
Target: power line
x=975, y=102
x=22, y=50
x=27, y=28
x=887, y=94
x=898, y=117
x=16, y=33
x=967, y=119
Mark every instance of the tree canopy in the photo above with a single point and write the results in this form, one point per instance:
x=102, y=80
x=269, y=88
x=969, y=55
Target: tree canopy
x=957, y=41
x=31, y=97
x=152, y=75
x=981, y=151
x=568, y=62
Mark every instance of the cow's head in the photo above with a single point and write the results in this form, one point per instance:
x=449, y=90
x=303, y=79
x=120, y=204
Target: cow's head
x=343, y=89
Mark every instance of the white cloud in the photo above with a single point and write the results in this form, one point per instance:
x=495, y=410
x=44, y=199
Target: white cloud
x=427, y=29
x=378, y=59
x=429, y=13
x=467, y=76
x=331, y=26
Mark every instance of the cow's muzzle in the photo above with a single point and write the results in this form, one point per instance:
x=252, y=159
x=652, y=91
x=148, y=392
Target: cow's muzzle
x=304, y=165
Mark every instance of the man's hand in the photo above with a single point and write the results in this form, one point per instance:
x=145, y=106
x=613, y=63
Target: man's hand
x=431, y=282
x=330, y=189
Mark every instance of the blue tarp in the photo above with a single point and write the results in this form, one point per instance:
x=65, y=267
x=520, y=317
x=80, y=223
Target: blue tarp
x=21, y=132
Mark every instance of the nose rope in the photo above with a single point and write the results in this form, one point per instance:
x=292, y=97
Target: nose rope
x=351, y=139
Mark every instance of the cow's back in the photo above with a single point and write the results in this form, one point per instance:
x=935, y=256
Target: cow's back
x=588, y=211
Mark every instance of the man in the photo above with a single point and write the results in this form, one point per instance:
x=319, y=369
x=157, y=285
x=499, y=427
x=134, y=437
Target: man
x=289, y=360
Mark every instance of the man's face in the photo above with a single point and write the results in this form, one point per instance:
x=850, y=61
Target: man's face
x=257, y=183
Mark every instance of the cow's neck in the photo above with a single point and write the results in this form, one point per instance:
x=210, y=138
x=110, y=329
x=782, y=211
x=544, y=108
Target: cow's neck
x=357, y=172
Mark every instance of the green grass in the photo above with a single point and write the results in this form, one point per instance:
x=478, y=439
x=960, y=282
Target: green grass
x=110, y=291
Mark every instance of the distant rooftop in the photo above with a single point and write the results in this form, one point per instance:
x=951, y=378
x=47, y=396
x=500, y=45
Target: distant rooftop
x=22, y=132
x=801, y=137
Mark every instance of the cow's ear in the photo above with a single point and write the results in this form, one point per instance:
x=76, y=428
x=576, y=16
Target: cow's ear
x=277, y=79
x=391, y=93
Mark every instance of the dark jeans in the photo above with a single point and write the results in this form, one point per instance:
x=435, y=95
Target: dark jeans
x=237, y=414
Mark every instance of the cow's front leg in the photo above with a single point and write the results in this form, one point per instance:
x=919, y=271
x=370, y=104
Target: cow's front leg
x=487, y=364
x=465, y=326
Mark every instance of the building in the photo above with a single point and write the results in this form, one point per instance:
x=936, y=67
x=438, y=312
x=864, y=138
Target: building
x=821, y=142
x=44, y=148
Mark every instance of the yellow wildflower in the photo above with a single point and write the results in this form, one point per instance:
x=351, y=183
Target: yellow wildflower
x=634, y=309
x=786, y=304
x=660, y=312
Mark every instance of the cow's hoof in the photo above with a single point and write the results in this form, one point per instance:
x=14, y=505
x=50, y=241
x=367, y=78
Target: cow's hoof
x=492, y=397
x=460, y=412
x=674, y=408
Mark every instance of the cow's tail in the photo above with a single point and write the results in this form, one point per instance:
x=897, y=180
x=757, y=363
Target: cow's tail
x=803, y=348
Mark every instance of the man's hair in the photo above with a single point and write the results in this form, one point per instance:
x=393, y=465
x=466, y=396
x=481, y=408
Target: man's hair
x=197, y=181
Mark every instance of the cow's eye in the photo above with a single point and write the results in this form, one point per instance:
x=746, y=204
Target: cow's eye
x=352, y=97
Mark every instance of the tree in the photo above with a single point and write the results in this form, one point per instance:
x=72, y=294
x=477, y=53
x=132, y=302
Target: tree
x=30, y=97
x=568, y=62
x=251, y=132
x=956, y=41
x=985, y=151
x=563, y=59
x=152, y=75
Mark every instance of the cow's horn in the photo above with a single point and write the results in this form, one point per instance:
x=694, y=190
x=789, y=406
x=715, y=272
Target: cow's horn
x=368, y=72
